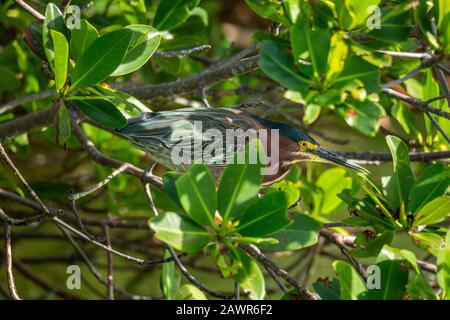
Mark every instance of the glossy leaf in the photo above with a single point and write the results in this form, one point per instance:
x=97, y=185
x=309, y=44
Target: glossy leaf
x=303, y=232
x=134, y=11
x=312, y=112
x=337, y=55
x=144, y=43
x=179, y=232
x=330, y=184
x=396, y=188
x=362, y=115
x=82, y=38
x=190, y=292
x=433, y=212
x=197, y=192
x=171, y=13
x=327, y=290
x=357, y=68
x=399, y=151
x=311, y=45
x=443, y=268
x=61, y=51
x=102, y=112
x=101, y=58
x=371, y=247
x=249, y=277
x=432, y=183
x=54, y=20
x=170, y=279
x=265, y=216
x=278, y=65
x=239, y=184
x=64, y=129
x=394, y=278
x=350, y=282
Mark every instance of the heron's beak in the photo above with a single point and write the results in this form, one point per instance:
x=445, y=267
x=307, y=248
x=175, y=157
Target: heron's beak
x=329, y=156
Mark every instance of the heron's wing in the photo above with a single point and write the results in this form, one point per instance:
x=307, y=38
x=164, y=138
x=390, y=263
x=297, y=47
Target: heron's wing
x=202, y=132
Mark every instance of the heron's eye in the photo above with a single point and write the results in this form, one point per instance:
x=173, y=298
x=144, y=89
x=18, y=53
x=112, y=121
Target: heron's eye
x=306, y=145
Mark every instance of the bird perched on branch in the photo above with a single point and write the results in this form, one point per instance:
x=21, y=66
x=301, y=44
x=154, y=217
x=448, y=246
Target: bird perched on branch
x=178, y=138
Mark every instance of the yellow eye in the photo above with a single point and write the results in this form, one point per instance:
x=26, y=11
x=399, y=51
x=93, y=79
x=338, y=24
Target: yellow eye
x=304, y=144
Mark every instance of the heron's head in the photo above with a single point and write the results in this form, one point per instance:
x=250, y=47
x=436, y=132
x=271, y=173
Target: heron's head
x=305, y=148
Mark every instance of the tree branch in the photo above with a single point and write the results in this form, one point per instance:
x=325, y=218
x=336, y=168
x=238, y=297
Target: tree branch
x=8, y=256
x=261, y=258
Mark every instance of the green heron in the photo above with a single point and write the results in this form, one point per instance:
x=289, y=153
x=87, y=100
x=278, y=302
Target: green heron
x=163, y=134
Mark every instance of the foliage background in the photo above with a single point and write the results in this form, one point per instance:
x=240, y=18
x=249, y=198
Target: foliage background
x=319, y=68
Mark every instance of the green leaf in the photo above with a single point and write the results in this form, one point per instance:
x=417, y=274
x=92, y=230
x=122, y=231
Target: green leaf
x=201, y=13
x=134, y=11
x=396, y=188
x=401, y=112
x=61, y=51
x=171, y=13
x=169, y=180
x=311, y=45
x=312, y=112
x=278, y=65
x=239, y=184
x=394, y=277
x=179, y=232
x=120, y=99
x=265, y=216
x=63, y=130
x=82, y=38
x=272, y=10
x=357, y=68
x=350, y=281
x=170, y=279
x=337, y=55
x=443, y=268
x=303, y=232
x=330, y=183
x=327, y=290
x=102, y=111
x=433, y=212
x=362, y=115
x=101, y=58
x=54, y=20
x=432, y=183
x=190, y=292
x=249, y=277
x=163, y=201
x=197, y=192
x=399, y=151
x=145, y=42
x=353, y=13
x=371, y=247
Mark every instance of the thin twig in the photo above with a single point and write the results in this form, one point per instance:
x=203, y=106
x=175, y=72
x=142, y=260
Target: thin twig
x=341, y=243
x=11, y=105
x=277, y=280
x=30, y=10
x=182, y=52
x=237, y=291
x=9, y=264
x=407, y=55
x=110, y=277
x=416, y=103
x=180, y=266
x=261, y=258
x=22, y=179
x=444, y=84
